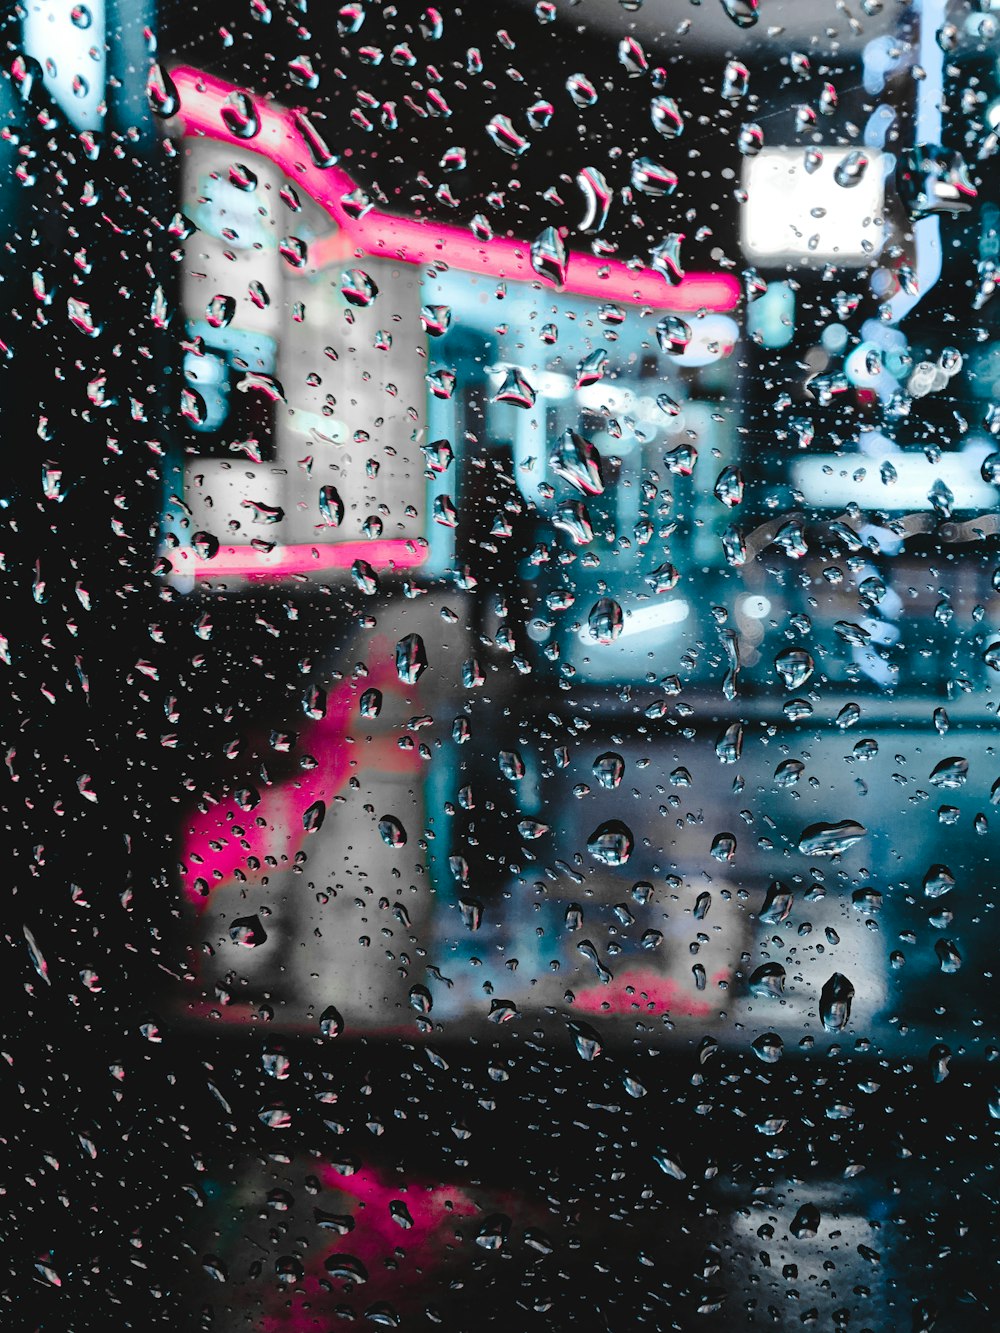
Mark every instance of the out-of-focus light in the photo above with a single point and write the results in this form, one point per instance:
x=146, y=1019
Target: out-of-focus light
x=834, y=481
x=834, y=338
x=755, y=607
x=792, y=214
x=68, y=42
x=771, y=317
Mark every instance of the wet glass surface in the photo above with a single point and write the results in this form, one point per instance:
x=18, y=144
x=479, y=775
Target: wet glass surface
x=502, y=631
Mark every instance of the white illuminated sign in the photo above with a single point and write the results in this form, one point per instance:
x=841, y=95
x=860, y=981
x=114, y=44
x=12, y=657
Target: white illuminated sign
x=68, y=41
x=793, y=214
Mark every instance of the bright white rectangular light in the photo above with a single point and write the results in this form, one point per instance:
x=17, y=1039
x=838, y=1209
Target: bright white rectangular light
x=68, y=41
x=835, y=480
x=793, y=215
x=647, y=619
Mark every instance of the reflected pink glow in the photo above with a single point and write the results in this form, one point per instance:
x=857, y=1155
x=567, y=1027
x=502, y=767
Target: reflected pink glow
x=650, y=987
x=282, y=561
x=209, y=836
x=412, y=241
x=436, y=1211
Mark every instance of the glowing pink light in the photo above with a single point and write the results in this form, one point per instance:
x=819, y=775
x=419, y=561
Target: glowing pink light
x=212, y=852
x=238, y=562
x=411, y=241
x=434, y=1209
x=650, y=987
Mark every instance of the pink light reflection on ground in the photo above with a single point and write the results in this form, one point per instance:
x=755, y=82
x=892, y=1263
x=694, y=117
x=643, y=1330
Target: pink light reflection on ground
x=282, y=561
x=435, y=1211
x=413, y=241
x=283, y=805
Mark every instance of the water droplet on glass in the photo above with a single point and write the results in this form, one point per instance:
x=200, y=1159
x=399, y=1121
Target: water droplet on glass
x=831, y=839
x=611, y=843
x=948, y=956
x=632, y=57
x=472, y=913
x=515, y=390
x=548, y=256
x=848, y=716
x=597, y=195
x=835, y=1003
x=312, y=818
x=729, y=487
x=750, y=140
x=794, y=666
x=729, y=746
x=742, y=12
x=768, y=981
x=220, y=311
x=768, y=1047
x=572, y=517
x=735, y=81
x=609, y=769
x=370, y=704
x=806, y=1222
x=540, y=114
x=723, y=847
x=581, y=90
x=331, y=506
x=511, y=765
x=239, y=115
x=411, y=659
x=950, y=773
x=778, y=903
x=302, y=72
x=851, y=170
x=605, y=621
x=653, y=178
x=357, y=287
x=391, y=831
x=346, y=1267
x=502, y=132
x=435, y=319
x=591, y=368
x=586, y=1040
x=161, y=92
x=578, y=461
x=82, y=318
x=666, y=258
x=331, y=1024
x=314, y=141
x=248, y=931
x=666, y=117
x=673, y=334
x=442, y=383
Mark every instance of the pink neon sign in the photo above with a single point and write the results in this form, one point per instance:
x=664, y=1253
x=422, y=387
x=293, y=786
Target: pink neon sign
x=239, y=562
x=415, y=241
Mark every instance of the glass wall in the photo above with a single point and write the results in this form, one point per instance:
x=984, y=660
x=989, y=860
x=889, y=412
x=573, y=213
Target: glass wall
x=502, y=661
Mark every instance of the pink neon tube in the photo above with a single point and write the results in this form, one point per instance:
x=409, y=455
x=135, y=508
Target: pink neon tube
x=239, y=562
x=412, y=241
